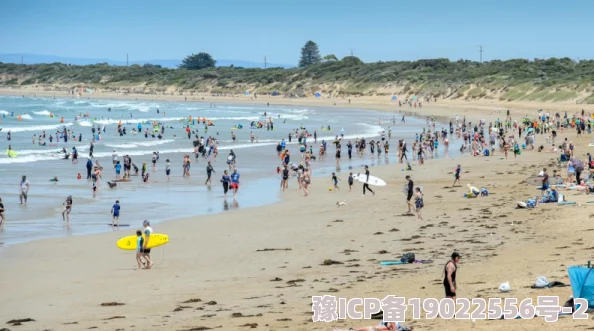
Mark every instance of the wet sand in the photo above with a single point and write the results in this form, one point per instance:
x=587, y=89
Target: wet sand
x=266, y=262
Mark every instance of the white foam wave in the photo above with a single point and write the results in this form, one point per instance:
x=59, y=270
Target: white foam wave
x=26, y=117
x=34, y=127
x=42, y=113
x=141, y=144
x=84, y=123
x=4, y=112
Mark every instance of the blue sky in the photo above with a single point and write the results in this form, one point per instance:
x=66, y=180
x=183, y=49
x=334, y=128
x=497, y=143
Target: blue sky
x=249, y=30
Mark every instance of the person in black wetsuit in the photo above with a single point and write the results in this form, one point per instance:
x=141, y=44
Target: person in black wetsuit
x=365, y=185
x=409, y=194
x=449, y=280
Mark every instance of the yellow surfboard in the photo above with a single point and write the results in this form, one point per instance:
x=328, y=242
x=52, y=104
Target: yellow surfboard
x=11, y=153
x=129, y=243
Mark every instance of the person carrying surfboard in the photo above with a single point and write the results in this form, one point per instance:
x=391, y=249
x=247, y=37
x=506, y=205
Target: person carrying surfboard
x=365, y=185
x=146, y=252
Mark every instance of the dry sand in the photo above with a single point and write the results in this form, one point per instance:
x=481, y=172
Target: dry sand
x=217, y=263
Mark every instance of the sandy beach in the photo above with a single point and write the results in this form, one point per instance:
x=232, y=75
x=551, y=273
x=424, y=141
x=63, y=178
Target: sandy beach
x=258, y=267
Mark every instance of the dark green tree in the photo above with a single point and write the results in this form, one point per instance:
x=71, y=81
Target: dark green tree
x=330, y=57
x=197, y=62
x=310, y=54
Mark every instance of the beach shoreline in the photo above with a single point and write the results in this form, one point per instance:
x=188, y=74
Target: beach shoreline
x=269, y=260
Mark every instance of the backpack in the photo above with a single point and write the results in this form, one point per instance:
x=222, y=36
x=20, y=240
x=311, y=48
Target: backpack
x=408, y=257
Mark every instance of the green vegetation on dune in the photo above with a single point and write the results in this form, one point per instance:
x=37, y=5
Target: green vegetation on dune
x=512, y=80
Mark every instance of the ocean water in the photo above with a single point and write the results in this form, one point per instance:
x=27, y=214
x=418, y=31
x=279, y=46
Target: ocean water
x=160, y=199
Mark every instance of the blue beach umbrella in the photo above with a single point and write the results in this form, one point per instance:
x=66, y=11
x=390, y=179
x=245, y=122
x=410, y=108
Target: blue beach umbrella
x=317, y=95
x=247, y=93
x=394, y=98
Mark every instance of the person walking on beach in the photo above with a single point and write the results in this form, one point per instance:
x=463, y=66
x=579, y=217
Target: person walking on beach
x=209, y=171
x=225, y=180
x=235, y=182
x=365, y=185
x=306, y=182
x=67, y=209
x=115, y=214
x=139, y=245
x=457, y=176
x=350, y=180
x=24, y=189
x=409, y=194
x=285, y=178
x=146, y=252
x=449, y=281
x=2, y=216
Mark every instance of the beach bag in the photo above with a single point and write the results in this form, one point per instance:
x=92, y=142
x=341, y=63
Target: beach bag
x=531, y=203
x=504, y=287
x=408, y=257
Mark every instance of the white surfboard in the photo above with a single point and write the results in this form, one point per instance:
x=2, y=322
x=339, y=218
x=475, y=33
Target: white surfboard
x=372, y=180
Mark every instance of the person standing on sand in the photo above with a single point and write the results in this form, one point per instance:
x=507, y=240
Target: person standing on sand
x=409, y=194
x=449, y=281
x=419, y=204
x=115, y=214
x=146, y=252
x=2, y=216
x=24, y=189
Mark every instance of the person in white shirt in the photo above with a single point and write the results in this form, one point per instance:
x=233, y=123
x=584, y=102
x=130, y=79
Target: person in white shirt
x=115, y=157
x=24, y=189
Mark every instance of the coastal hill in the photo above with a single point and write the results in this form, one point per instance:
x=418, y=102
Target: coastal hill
x=543, y=80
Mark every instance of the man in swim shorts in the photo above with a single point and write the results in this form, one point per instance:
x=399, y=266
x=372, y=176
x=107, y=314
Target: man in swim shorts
x=235, y=182
x=24, y=189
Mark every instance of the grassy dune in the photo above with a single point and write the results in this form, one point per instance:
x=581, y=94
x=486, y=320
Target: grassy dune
x=548, y=80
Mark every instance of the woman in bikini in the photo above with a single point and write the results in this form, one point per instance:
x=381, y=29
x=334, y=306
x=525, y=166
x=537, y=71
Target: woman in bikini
x=306, y=181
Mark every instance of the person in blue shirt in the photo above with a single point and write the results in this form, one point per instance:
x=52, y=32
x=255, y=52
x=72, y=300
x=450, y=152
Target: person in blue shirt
x=235, y=182
x=115, y=213
x=283, y=144
x=118, y=169
x=139, y=245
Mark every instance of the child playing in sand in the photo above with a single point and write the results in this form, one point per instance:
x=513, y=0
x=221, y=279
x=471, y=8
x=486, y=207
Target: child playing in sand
x=139, y=245
x=335, y=180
